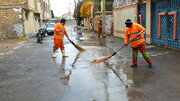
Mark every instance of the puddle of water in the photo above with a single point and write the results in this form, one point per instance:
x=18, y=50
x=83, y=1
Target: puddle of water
x=65, y=79
x=149, y=47
x=157, y=54
x=109, y=79
x=133, y=94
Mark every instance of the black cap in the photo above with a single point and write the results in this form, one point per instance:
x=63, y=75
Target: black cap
x=128, y=21
x=63, y=20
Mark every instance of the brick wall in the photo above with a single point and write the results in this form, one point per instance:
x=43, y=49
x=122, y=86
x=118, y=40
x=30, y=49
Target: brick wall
x=12, y=2
x=20, y=17
x=11, y=22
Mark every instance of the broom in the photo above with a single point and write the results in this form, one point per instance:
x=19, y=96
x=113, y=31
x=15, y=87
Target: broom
x=88, y=35
x=109, y=56
x=77, y=47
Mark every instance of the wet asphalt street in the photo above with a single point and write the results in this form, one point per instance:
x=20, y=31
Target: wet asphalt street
x=29, y=73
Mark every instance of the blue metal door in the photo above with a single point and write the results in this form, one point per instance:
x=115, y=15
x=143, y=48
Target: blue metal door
x=166, y=23
x=142, y=16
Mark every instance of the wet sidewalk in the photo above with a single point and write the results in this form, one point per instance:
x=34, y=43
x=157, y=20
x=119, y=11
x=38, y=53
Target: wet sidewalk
x=29, y=73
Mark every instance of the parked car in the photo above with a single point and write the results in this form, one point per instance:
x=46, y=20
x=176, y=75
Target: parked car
x=50, y=28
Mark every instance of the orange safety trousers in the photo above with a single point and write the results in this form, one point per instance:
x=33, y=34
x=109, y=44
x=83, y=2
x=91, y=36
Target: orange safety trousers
x=143, y=51
x=99, y=31
x=58, y=43
x=99, y=28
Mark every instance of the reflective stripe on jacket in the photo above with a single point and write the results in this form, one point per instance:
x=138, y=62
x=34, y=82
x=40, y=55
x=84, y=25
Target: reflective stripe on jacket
x=60, y=31
x=132, y=33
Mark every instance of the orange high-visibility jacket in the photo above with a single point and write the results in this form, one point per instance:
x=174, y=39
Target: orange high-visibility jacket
x=99, y=25
x=60, y=31
x=132, y=33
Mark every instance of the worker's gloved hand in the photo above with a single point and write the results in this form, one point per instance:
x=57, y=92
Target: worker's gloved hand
x=138, y=35
x=125, y=44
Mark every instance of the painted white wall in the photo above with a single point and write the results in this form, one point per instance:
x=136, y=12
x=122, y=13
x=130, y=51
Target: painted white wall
x=120, y=17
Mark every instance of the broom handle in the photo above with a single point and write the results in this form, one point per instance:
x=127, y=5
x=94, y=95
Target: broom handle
x=128, y=43
x=72, y=42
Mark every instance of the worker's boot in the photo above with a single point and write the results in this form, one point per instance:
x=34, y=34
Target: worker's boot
x=53, y=54
x=63, y=53
x=150, y=65
x=133, y=65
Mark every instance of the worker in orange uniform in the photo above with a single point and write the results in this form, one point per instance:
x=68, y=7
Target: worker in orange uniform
x=133, y=30
x=59, y=33
x=99, y=28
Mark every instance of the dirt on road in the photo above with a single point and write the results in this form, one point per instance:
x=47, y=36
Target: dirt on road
x=10, y=43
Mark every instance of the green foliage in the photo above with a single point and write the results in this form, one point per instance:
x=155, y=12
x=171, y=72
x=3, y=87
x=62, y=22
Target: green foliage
x=97, y=3
x=98, y=6
x=77, y=11
x=86, y=9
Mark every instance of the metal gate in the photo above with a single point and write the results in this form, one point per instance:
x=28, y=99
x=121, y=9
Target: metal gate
x=142, y=16
x=166, y=23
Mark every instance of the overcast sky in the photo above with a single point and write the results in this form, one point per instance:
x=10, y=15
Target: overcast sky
x=60, y=7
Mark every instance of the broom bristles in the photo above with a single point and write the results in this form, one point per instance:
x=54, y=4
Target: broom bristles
x=103, y=59
x=79, y=48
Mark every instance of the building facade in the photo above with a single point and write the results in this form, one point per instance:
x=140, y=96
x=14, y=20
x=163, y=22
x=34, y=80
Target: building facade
x=161, y=18
x=123, y=10
x=166, y=23
x=68, y=15
x=46, y=11
x=20, y=18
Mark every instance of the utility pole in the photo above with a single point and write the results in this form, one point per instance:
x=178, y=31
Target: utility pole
x=103, y=19
x=92, y=16
x=76, y=13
